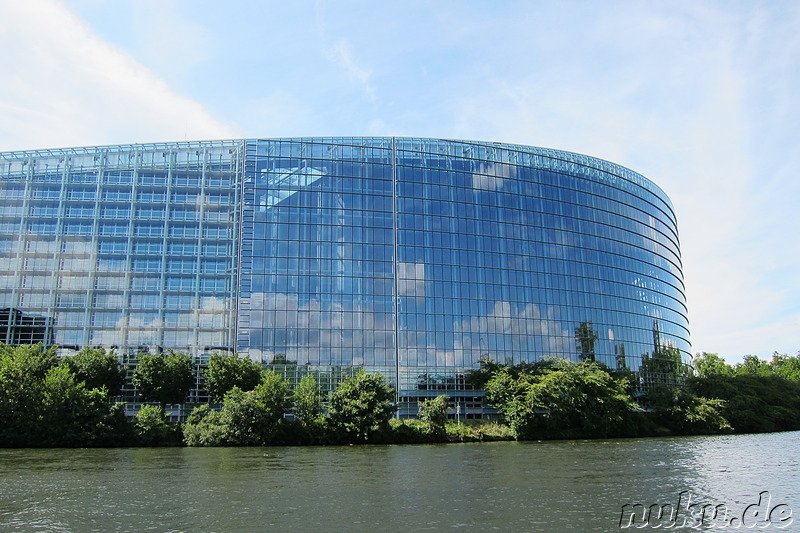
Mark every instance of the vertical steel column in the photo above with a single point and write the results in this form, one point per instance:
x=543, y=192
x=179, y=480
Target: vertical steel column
x=395, y=262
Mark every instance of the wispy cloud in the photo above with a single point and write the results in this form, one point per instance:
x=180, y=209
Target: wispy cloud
x=63, y=85
x=342, y=55
x=692, y=96
x=699, y=97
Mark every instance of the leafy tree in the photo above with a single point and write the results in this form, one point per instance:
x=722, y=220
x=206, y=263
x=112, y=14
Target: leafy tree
x=683, y=412
x=22, y=371
x=45, y=404
x=434, y=413
x=274, y=394
x=753, y=403
x=73, y=415
x=506, y=388
x=572, y=399
x=361, y=406
x=251, y=417
x=582, y=396
x=97, y=368
x=708, y=364
x=307, y=400
x=753, y=366
x=225, y=372
x=781, y=365
x=585, y=337
x=204, y=427
x=63, y=399
x=247, y=418
x=164, y=379
x=488, y=368
x=34, y=360
x=786, y=367
x=151, y=427
x=244, y=418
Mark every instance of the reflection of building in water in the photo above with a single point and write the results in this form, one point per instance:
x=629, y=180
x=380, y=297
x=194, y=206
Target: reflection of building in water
x=17, y=328
x=414, y=257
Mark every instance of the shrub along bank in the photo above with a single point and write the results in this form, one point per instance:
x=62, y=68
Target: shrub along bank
x=45, y=401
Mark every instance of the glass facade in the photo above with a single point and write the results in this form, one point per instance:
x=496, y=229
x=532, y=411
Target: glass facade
x=414, y=257
x=126, y=247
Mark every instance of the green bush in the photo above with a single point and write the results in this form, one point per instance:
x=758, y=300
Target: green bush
x=204, y=427
x=151, y=427
x=361, y=406
x=754, y=403
x=165, y=379
x=433, y=413
x=307, y=400
x=478, y=431
x=565, y=401
x=684, y=413
x=225, y=372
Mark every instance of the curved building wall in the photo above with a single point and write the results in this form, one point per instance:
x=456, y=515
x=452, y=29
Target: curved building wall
x=414, y=257
x=420, y=257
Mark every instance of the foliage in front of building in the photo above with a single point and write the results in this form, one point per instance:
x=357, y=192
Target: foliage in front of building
x=361, y=407
x=554, y=398
x=150, y=427
x=225, y=372
x=564, y=400
x=433, y=412
x=47, y=402
x=164, y=378
x=44, y=403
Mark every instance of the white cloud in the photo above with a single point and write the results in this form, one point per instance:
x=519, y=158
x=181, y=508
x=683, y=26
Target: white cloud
x=699, y=97
x=702, y=100
x=492, y=176
x=64, y=86
x=168, y=39
x=481, y=332
x=411, y=279
x=342, y=55
x=334, y=329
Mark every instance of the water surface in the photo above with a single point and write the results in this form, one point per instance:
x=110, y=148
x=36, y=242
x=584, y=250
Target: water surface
x=504, y=486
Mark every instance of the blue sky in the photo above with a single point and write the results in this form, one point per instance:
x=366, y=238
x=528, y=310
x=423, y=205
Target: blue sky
x=701, y=97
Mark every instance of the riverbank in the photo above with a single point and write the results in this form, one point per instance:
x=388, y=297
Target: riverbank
x=159, y=433
x=47, y=402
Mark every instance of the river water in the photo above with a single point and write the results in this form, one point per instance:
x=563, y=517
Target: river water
x=504, y=486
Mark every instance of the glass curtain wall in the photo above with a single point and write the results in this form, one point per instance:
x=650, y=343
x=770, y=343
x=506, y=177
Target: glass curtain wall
x=421, y=257
x=126, y=247
x=417, y=258
x=317, y=272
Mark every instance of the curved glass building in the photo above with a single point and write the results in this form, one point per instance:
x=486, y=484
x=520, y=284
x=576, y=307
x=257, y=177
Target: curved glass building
x=417, y=258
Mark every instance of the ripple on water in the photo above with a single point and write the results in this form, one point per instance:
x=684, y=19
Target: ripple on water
x=556, y=485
